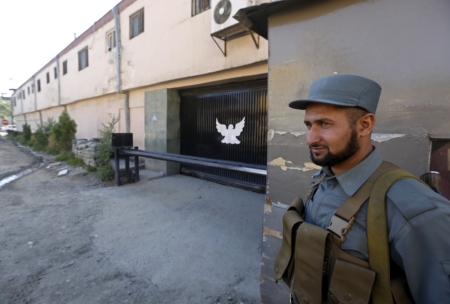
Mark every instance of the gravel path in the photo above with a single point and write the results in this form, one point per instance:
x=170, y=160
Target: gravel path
x=177, y=239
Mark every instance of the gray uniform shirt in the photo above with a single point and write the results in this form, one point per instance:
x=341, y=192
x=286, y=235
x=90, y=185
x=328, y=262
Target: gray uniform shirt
x=418, y=226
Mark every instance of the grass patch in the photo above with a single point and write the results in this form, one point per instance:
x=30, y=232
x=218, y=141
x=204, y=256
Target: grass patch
x=70, y=158
x=90, y=168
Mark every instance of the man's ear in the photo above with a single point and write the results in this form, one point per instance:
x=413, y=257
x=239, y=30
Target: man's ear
x=366, y=124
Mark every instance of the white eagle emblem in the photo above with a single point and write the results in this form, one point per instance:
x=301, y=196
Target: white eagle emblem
x=230, y=133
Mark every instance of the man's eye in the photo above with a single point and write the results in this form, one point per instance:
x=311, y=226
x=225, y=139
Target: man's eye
x=325, y=124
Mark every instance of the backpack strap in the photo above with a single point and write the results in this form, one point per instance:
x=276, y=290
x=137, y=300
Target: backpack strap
x=343, y=218
x=377, y=235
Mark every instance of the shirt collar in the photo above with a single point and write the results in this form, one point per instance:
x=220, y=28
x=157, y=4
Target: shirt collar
x=351, y=180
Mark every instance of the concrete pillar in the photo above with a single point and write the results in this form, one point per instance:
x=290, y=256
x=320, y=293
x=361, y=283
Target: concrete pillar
x=162, y=128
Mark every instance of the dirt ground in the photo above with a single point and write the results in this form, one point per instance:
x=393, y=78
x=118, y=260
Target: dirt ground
x=73, y=239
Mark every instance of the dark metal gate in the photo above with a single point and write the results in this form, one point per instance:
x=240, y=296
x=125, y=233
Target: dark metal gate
x=228, y=105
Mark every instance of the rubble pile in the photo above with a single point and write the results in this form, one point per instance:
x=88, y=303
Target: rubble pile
x=85, y=149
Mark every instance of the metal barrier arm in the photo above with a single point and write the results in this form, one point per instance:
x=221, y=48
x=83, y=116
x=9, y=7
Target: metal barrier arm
x=185, y=159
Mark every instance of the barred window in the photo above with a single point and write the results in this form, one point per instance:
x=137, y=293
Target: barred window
x=39, y=85
x=199, y=6
x=56, y=72
x=83, y=59
x=48, y=77
x=137, y=23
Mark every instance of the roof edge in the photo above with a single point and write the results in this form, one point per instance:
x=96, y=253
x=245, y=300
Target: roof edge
x=255, y=17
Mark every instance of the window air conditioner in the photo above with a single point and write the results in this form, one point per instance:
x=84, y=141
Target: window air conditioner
x=222, y=12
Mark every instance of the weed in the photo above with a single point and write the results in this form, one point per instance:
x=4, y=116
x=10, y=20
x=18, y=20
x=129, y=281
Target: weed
x=43, y=133
x=70, y=158
x=26, y=133
x=63, y=156
x=103, y=152
x=90, y=168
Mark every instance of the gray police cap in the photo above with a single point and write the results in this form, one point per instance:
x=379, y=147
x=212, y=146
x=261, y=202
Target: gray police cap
x=342, y=90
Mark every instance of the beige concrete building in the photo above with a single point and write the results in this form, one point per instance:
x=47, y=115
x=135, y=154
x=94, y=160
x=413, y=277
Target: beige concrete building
x=140, y=46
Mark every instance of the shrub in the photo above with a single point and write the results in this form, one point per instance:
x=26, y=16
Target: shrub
x=13, y=135
x=64, y=132
x=21, y=140
x=52, y=148
x=42, y=134
x=26, y=133
x=32, y=141
x=103, y=152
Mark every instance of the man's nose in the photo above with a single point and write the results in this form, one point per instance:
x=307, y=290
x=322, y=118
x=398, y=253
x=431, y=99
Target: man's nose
x=312, y=136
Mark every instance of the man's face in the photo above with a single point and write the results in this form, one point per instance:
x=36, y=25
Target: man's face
x=330, y=137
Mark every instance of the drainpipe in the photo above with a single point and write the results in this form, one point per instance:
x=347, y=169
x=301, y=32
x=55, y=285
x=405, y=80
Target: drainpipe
x=59, y=79
x=13, y=97
x=35, y=94
x=126, y=105
x=21, y=102
x=116, y=33
x=127, y=112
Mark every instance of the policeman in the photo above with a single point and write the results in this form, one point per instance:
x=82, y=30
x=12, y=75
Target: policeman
x=340, y=117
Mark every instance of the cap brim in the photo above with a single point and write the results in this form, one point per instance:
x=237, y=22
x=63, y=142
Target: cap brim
x=302, y=103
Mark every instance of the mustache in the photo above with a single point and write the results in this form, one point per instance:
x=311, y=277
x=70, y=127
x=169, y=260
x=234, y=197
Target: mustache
x=318, y=145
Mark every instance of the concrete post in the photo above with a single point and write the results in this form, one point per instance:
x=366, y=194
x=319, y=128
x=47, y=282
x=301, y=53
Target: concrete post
x=162, y=128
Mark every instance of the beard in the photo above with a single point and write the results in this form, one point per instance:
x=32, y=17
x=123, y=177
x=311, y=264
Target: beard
x=331, y=159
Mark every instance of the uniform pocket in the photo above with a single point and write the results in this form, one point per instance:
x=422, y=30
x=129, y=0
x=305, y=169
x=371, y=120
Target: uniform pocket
x=350, y=283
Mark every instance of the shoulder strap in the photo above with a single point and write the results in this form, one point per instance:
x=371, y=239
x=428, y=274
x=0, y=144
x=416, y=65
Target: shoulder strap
x=344, y=216
x=377, y=235
x=354, y=203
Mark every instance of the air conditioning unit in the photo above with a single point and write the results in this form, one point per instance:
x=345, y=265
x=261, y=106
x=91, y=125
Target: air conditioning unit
x=222, y=12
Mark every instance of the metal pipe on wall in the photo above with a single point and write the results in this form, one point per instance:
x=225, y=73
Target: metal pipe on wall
x=35, y=94
x=127, y=112
x=59, y=81
x=126, y=105
x=115, y=11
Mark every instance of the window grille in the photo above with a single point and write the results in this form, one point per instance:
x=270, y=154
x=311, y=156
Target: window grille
x=199, y=6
